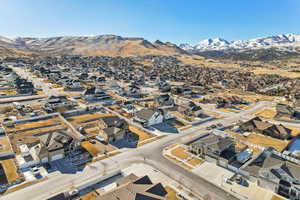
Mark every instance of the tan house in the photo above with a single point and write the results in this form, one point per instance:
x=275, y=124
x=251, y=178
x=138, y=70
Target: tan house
x=52, y=146
x=284, y=110
x=135, y=188
x=211, y=145
x=266, y=128
x=113, y=128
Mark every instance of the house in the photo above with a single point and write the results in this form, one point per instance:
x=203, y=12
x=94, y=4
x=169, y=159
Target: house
x=53, y=146
x=43, y=148
x=131, y=91
x=183, y=89
x=164, y=101
x=266, y=128
x=284, y=110
x=274, y=173
x=192, y=110
x=135, y=188
x=128, y=106
x=296, y=106
x=211, y=146
x=254, y=125
x=164, y=86
x=23, y=86
x=278, y=131
x=54, y=103
x=26, y=159
x=93, y=94
x=112, y=134
x=73, y=85
x=149, y=116
x=113, y=128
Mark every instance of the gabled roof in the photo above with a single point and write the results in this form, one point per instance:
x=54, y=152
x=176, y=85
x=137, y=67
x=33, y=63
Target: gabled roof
x=41, y=151
x=214, y=142
x=272, y=161
x=146, y=114
x=280, y=129
x=110, y=131
x=113, y=121
x=292, y=169
x=260, y=125
x=127, y=179
x=141, y=189
x=145, y=180
x=55, y=140
x=157, y=189
x=284, y=108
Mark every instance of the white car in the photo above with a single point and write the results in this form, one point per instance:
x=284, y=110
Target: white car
x=35, y=171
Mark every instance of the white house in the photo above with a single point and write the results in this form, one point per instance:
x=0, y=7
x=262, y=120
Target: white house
x=149, y=117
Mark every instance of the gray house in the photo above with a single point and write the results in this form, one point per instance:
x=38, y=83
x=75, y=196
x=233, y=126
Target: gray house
x=273, y=172
x=113, y=128
x=211, y=146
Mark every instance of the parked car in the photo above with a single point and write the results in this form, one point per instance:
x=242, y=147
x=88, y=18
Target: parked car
x=73, y=193
x=35, y=171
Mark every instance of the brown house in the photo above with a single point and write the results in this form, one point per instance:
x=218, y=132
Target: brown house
x=113, y=128
x=134, y=188
x=284, y=110
x=266, y=128
x=278, y=131
x=211, y=145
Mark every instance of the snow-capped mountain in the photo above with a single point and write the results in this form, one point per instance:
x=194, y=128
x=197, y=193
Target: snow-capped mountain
x=283, y=41
x=114, y=45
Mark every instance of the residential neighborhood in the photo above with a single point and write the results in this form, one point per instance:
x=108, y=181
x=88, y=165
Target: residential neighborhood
x=149, y=100
x=62, y=120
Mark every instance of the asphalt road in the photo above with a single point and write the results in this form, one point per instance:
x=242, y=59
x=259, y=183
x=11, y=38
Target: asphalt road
x=37, y=82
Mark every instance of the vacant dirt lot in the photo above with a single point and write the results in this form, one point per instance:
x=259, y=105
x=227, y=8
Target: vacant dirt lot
x=195, y=161
x=266, y=113
x=179, y=152
x=10, y=170
x=143, y=135
x=280, y=72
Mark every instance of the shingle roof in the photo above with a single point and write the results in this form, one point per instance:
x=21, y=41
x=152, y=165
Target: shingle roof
x=214, y=142
x=292, y=169
x=110, y=131
x=141, y=189
x=146, y=114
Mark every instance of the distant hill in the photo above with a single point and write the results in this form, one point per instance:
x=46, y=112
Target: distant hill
x=101, y=45
x=250, y=55
x=265, y=48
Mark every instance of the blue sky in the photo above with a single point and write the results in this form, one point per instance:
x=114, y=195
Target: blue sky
x=176, y=21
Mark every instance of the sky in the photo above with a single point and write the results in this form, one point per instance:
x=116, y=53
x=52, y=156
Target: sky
x=177, y=21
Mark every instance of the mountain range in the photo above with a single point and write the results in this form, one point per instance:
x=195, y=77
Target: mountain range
x=112, y=45
x=285, y=42
x=100, y=45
